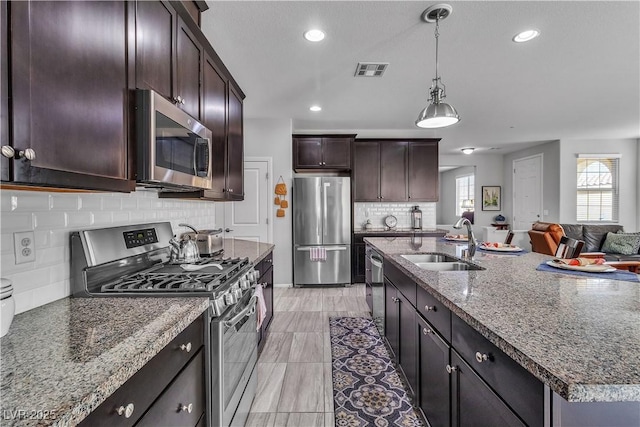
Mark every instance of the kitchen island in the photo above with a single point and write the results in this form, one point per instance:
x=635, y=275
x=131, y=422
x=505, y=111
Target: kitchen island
x=578, y=336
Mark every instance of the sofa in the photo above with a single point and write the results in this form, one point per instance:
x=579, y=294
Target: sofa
x=595, y=236
x=545, y=237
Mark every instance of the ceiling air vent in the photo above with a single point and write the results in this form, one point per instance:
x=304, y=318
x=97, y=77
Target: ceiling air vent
x=371, y=69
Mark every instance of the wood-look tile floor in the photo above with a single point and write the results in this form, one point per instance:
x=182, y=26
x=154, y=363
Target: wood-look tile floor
x=294, y=369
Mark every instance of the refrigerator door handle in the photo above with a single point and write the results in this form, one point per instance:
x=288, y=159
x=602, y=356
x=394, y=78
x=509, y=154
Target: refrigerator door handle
x=328, y=249
x=326, y=186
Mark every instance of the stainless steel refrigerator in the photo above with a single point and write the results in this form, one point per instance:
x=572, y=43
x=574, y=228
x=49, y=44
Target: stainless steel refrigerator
x=321, y=219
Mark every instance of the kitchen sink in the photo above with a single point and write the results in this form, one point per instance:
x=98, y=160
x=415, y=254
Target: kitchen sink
x=429, y=258
x=447, y=266
x=440, y=262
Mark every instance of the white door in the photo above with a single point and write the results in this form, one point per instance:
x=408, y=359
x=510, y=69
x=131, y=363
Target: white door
x=527, y=192
x=250, y=218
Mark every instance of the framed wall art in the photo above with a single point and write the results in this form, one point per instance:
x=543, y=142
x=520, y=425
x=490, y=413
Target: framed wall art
x=491, y=198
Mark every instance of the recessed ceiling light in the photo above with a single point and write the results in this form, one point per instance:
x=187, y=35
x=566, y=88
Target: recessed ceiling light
x=525, y=36
x=315, y=108
x=314, y=35
x=468, y=150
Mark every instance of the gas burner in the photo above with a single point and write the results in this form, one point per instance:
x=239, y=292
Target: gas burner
x=161, y=282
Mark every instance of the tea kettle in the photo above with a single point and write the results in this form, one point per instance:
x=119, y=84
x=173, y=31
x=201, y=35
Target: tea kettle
x=184, y=251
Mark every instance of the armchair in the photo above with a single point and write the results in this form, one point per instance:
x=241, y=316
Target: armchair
x=545, y=237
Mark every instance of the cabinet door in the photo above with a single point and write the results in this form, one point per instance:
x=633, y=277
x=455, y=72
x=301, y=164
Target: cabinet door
x=366, y=171
x=473, y=403
x=336, y=153
x=369, y=296
x=307, y=153
x=434, y=391
x=188, y=69
x=393, y=171
x=214, y=99
x=359, y=263
x=392, y=317
x=183, y=402
x=4, y=89
x=155, y=26
x=70, y=93
x=408, y=342
x=423, y=172
x=235, y=147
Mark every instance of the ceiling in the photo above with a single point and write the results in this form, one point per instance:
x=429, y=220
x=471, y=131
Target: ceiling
x=579, y=80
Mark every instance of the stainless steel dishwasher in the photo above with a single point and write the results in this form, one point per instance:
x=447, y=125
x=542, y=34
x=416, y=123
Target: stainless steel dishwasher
x=375, y=284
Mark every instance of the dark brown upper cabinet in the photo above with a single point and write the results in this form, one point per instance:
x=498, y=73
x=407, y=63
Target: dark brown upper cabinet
x=69, y=80
x=392, y=170
x=235, y=147
x=214, y=117
x=168, y=55
x=322, y=152
x=423, y=176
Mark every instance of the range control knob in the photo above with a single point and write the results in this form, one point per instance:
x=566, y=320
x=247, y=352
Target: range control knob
x=229, y=298
x=237, y=293
x=245, y=284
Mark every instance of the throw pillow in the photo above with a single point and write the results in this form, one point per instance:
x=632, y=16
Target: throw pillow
x=621, y=243
x=635, y=233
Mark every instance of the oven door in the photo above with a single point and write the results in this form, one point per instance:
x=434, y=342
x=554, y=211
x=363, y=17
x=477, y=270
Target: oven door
x=234, y=355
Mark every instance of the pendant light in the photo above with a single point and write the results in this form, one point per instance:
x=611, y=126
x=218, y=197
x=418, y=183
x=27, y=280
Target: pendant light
x=437, y=114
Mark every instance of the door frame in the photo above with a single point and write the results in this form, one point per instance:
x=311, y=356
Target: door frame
x=513, y=184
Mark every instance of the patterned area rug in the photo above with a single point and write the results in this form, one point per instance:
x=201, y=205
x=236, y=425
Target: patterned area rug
x=367, y=390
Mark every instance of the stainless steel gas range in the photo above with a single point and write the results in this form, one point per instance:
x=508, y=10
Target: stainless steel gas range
x=131, y=261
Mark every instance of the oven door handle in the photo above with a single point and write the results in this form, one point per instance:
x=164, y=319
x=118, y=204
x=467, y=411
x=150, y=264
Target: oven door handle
x=248, y=311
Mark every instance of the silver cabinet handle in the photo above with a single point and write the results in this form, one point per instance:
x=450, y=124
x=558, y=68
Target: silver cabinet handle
x=186, y=408
x=451, y=369
x=178, y=100
x=10, y=153
x=481, y=357
x=127, y=411
x=432, y=308
x=394, y=299
x=427, y=331
x=228, y=230
x=230, y=190
x=186, y=347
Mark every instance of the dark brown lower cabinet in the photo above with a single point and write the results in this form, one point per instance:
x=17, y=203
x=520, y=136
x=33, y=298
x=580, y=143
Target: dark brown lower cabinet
x=181, y=404
x=392, y=317
x=473, y=403
x=408, y=342
x=265, y=269
x=434, y=380
x=369, y=296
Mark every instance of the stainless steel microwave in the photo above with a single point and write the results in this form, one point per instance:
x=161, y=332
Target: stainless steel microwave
x=173, y=148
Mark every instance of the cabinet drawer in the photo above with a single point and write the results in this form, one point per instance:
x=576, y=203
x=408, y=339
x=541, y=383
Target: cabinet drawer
x=182, y=403
x=265, y=264
x=405, y=285
x=146, y=385
x=435, y=312
x=521, y=390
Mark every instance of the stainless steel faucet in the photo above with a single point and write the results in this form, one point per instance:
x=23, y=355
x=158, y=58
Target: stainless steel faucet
x=471, y=238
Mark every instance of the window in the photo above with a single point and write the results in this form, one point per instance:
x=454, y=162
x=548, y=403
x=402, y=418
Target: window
x=597, y=189
x=464, y=191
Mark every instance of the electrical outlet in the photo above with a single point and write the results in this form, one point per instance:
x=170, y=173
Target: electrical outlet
x=24, y=243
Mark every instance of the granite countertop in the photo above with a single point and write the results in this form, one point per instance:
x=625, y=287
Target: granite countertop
x=256, y=252
x=62, y=360
x=408, y=231
x=578, y=335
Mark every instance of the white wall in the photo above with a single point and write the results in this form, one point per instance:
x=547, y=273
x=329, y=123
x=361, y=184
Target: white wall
x=446, y=210
x=629, y=162
x=53, y=216
x=550, y=179
x=489, y=171
x=272, y=138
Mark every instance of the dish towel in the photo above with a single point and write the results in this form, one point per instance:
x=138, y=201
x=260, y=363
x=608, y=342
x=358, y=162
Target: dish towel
x=262, y=306
x=626, y=276
x=318, y=254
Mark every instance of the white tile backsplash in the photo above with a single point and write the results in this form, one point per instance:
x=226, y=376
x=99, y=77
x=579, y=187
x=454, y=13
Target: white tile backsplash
x=53, y=216
x=376, y=212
